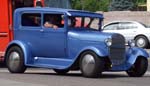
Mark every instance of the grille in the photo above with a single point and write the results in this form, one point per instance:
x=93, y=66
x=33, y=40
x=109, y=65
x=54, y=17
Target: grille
x=117, y=50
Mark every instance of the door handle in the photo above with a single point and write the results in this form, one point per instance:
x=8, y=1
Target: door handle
x=41, y=30
x=3, y=34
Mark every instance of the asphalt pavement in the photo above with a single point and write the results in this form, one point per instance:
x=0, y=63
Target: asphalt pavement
x=47, y=77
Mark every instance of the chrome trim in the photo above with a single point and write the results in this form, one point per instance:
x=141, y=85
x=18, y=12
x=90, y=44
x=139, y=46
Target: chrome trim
x=3, y=34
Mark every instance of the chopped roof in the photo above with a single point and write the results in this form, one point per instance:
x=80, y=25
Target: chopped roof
x=70, y=12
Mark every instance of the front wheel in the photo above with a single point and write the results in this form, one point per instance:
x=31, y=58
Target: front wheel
x=91, y=65
x=139, y=68
x=15, y=60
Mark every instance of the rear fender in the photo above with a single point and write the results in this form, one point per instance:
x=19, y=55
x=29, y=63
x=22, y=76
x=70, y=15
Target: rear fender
x=23, y=46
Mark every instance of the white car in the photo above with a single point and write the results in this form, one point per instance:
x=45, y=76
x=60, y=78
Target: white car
x=131, y=30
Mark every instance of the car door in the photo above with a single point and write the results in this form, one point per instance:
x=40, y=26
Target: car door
x=54, y=38
x=30, y=32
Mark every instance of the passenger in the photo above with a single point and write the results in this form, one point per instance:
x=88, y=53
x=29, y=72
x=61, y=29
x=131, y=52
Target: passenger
x=51, y=22
x=48, y=24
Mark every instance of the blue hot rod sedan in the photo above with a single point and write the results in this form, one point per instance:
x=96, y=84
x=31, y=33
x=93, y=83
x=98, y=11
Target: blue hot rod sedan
x=65, y=39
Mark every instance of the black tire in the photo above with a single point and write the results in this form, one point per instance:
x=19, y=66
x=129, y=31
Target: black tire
x=15, y=60
x=142, y=45
x=61, y=71
x=139, y=68
x=94, y=67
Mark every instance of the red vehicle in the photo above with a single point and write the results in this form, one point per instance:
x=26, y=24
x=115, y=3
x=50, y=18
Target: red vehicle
x=7, y=8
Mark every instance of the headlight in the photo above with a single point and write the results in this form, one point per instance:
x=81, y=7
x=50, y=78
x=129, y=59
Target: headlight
x=131, y=43
x=108, y=42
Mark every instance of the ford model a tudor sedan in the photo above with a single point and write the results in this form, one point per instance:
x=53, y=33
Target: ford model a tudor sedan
x=64, y=39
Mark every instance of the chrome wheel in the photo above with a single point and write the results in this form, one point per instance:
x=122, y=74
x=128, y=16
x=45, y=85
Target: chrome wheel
x=141, y=41
x=91, y=65
x=88, y=63
x=14, y=60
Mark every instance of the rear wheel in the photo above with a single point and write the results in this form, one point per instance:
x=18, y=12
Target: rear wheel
x=141, y=41
x=139, y=68
x=15, y=60
x=91, y=65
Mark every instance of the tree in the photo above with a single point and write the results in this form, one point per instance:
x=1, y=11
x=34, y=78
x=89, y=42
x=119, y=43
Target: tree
x=121, y=5
x=90, y=5
x=58, y=3
x=138, y=3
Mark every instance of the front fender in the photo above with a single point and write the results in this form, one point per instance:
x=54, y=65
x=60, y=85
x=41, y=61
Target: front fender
x=102, y=52
x=133, y=53
x=23, y=46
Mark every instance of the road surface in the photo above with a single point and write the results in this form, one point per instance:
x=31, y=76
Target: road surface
x=46, y=77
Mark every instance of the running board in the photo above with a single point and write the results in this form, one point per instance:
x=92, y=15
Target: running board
x=57, y=63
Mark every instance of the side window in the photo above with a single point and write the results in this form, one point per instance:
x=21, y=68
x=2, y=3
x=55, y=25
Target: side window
x=53, y=21
x=121, y=26
x=128, y=25
x=111, y=27
x=31, y=19
x=132, y=26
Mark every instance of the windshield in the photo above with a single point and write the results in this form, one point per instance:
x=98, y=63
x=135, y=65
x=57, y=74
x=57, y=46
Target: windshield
x=84, y=23
x=58, y=3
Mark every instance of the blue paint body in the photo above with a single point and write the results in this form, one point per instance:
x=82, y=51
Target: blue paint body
x=59, y=49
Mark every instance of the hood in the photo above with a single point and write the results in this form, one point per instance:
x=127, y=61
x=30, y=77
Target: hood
x=89, y=35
